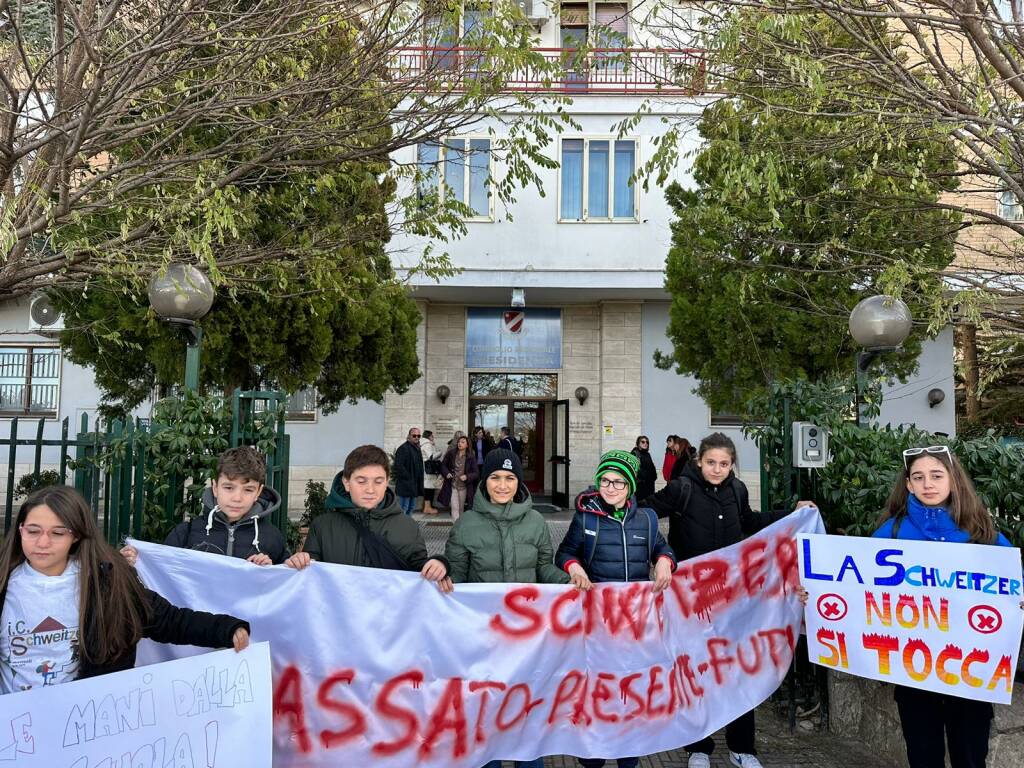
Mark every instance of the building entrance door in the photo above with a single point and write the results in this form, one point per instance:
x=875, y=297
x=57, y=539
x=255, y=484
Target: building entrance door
x=526, y=420
x=560, y=454
x=523, y=403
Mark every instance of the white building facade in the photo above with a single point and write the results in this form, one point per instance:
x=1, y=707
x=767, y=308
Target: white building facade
x=572, y=371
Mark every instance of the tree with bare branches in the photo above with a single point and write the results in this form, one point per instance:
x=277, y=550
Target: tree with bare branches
x=133, y=132
x=912, y=71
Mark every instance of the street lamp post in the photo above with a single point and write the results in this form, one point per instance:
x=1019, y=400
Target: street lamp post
x=878, y=324
x=180, y=295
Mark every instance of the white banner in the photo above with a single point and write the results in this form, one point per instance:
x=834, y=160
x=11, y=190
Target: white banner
x=378, y=668
x=209, y=711
x=941, y=617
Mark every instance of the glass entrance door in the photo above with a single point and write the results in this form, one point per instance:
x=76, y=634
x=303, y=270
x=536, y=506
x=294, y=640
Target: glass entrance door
x=528, y=429
x=560, y=454
x=526, y=420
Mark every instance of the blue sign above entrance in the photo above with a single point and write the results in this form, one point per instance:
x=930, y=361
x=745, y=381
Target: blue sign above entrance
x=513, y=339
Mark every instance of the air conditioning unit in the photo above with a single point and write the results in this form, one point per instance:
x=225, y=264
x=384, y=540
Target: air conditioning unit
x=42, y=316
x=535, y=11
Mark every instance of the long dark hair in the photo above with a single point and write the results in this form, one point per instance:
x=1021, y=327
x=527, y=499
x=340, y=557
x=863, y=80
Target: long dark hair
x=111, y=597
x=965, y=507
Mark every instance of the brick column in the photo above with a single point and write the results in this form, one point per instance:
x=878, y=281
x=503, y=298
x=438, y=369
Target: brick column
x=404, y=411
x=445, y=364
x=621, y=366
x=581, y=366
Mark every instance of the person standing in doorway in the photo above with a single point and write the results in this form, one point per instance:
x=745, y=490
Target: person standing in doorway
x=509, y=443
x=409, y=471
x=431, y=471
x=648, y=472
x=459, y=470
x=482, y=445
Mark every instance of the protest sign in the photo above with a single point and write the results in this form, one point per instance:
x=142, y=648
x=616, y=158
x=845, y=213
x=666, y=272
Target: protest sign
x=940, y=617
x=376, y=667
x=208, y=711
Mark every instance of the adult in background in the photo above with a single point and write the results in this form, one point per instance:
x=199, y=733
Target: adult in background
x=459, y=470
x=482, y=445
x=648, y=472
x=670, y=457
x=685, y=452
x=409, y=471
x=431, y=471
x=509, y=443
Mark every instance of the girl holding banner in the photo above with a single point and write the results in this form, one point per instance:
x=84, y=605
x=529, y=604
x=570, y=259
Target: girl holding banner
x=73, y=608
x=934, y=500
x=709, y=508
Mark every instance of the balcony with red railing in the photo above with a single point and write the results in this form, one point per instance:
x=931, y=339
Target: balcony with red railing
x=602, y=71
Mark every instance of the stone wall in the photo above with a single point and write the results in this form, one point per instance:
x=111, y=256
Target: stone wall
x=581, y=367
x=865, y=709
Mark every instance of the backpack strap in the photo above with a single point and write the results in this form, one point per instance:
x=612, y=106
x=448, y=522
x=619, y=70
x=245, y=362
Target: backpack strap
x=686, y=491
x=590, y=536
x=652, y=531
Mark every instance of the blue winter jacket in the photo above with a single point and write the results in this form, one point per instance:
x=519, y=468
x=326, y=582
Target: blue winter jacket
x=921, y=523
x=622, y=551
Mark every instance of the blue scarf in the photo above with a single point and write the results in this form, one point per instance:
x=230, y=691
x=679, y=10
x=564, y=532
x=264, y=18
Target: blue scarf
x=933, y=523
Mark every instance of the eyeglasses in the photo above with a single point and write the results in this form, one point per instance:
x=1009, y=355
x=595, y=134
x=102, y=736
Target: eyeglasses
x=415, y=437
x=607, y=482
x=911, y=452
x=57, y=533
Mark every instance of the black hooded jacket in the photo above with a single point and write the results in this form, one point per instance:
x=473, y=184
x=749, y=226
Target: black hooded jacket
x=252, y=534
x=705, y=517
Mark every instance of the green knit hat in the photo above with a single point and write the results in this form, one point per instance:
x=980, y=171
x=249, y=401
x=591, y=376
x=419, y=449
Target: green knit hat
x=622, y=462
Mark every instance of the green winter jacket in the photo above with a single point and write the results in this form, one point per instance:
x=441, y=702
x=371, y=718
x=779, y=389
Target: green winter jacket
x=508, y=543
x=334, y=538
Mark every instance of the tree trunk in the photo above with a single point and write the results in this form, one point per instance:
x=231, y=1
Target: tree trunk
x=969, y=348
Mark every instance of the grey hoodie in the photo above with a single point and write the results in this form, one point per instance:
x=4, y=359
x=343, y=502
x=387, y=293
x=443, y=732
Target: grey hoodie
x=252, y=534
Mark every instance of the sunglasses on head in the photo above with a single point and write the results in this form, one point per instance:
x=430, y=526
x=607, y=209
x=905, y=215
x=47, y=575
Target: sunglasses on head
x=912, y=452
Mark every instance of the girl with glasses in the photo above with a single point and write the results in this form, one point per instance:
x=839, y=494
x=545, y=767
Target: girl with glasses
x=57, y=573
x=612, y=538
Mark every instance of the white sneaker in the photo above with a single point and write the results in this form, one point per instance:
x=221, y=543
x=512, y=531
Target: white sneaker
x=743, y=760
x=699, y=760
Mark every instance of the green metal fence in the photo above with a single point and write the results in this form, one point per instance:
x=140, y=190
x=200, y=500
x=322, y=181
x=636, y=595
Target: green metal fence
x=116, y=488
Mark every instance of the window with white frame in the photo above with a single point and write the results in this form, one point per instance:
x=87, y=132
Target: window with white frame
x=460, y=169
x=1009, y=206
x=595, y=183
x=301, y=405
x=29, y=380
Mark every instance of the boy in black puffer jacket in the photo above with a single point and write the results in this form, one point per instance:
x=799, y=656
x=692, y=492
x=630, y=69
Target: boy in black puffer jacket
x=236, y=514
x=611, y=538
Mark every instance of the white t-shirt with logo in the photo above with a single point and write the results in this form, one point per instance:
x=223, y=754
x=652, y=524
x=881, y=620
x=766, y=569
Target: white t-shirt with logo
x=39, y=629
